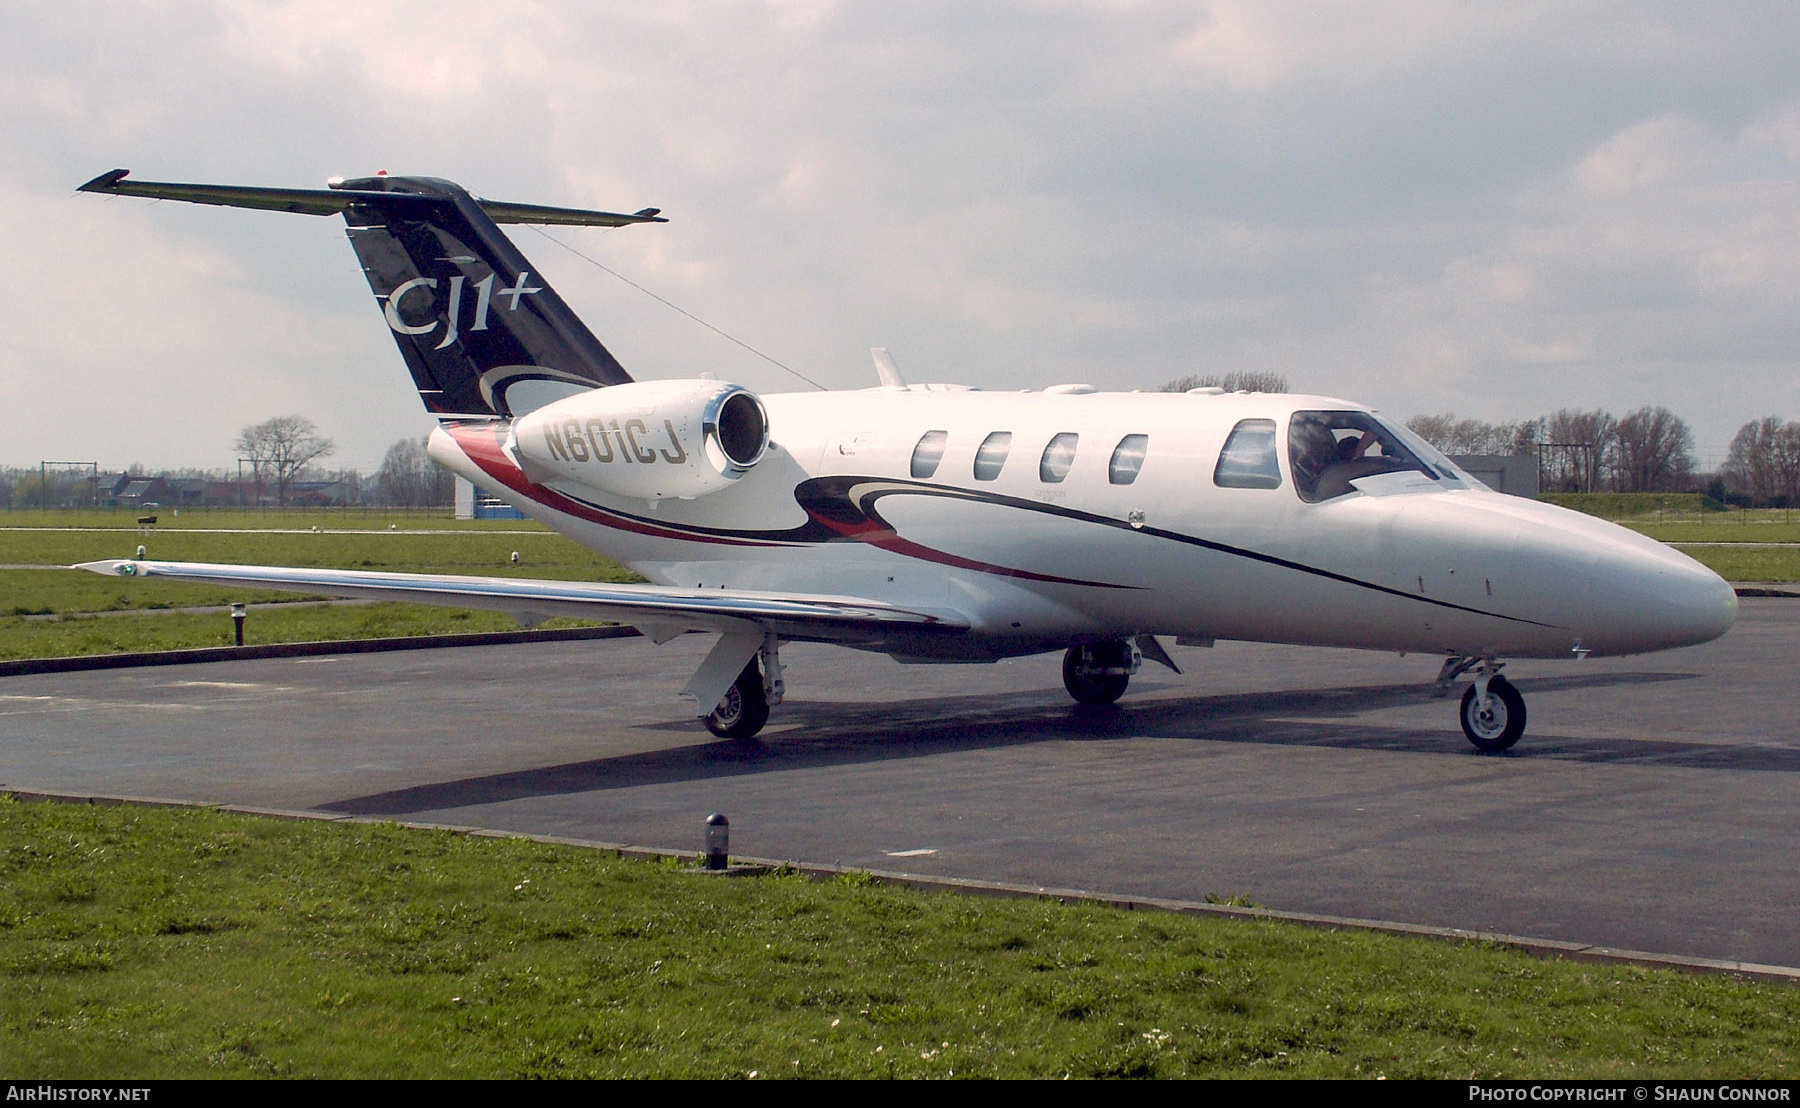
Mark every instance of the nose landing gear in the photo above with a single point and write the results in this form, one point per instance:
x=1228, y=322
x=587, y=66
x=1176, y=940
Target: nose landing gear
x=1097, y=673
x=1493, y=712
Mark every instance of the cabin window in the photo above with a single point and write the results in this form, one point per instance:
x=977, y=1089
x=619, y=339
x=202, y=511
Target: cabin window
x=1248, y=459
x=1328, y=450
x=1127, y=459
x=928, y=454
x=991, y=455
x=1058, y=457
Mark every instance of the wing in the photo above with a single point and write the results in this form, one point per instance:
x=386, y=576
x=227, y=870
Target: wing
x=659, y=611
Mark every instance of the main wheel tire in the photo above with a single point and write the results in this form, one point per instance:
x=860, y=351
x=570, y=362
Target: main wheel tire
x=1499, y=725
x=1096, y=688
x=744, y=709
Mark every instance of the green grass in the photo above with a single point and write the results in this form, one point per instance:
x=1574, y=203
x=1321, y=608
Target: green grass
x=1778, y=525
x=1628, y=505
x=63, y=591
x=73, y=595
x=540, y=555
x=324, y=518
x=187, y=943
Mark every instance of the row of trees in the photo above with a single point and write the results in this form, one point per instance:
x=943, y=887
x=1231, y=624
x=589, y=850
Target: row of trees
x=282, y=455
x=410, y=479
x=1764, y=462
x=1646, y=450
x=284, y=446
x=1649, y=449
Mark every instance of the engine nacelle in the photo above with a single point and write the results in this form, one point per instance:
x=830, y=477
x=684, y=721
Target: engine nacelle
x=648, y=439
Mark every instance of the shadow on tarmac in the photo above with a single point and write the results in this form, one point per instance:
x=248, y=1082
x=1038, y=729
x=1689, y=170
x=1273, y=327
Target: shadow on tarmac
x=814, y=735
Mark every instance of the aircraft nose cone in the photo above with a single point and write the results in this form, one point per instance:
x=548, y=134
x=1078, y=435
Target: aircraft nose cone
x=1657, y=599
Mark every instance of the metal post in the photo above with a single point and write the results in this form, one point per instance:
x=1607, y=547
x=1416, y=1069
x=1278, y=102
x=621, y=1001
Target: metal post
x=237, y=617
x=718, y=840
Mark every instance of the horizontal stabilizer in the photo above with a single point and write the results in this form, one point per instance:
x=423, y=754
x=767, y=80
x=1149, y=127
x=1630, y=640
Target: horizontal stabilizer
x=792, y=616
x=334, y=200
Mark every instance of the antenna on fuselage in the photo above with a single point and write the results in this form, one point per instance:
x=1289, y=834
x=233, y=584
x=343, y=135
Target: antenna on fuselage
x=885, y=368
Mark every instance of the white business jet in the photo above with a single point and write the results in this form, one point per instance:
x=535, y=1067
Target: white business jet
x=940, y=523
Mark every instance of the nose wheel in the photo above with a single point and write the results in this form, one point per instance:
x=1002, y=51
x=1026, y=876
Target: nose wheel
x=1493, y=718
x=1098, y=672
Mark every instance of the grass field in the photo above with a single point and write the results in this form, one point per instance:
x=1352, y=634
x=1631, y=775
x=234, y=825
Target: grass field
x=379, y=519
x=142, y=942
x=75, y=598
x=541, y=554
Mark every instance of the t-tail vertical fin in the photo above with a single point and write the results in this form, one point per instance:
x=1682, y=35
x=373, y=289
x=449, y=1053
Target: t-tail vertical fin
x=471, y=316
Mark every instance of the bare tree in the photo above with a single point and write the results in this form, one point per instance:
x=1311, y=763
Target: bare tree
x=1247, y=380
x=281, y=448
x=1750, y=464
x=1655, y=450
x=1472, y=436
x=410, y=479
x=1576, y=449
x=1786, y=453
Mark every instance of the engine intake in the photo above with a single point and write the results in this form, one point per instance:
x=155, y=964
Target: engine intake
x=647, y=439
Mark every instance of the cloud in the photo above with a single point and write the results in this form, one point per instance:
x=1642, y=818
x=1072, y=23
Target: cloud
x=1500, y=209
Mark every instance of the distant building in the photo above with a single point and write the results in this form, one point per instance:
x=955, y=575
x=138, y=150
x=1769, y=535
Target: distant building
x=143, y=492
x=477, y=503
x=1512, y=474
x=318, y=494
x=188, y=491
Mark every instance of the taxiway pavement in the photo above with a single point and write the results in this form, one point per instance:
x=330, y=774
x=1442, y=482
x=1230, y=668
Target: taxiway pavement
x=1651, y=805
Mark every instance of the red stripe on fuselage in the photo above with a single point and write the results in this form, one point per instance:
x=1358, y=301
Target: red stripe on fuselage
x=880, y=535
x=482, y=444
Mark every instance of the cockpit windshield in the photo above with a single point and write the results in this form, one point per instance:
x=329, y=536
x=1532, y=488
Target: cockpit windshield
x=1328, y=450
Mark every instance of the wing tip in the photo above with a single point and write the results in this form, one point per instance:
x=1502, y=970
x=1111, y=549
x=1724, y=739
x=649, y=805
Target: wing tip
x=111, y=567
x=105, y=181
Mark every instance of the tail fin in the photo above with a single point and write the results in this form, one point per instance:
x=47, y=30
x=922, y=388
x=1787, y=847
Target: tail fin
x=463, y=304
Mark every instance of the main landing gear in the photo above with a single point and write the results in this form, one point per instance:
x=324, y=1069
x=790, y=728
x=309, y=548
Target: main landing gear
x=1493, y=712
x=744, y=708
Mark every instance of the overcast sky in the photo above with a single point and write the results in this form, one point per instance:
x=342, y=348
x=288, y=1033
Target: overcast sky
x=1496, y=209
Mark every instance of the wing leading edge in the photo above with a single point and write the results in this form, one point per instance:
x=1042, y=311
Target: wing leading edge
x=659, y=611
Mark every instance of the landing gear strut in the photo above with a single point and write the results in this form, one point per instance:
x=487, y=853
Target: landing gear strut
x=744, y=708
x=1098, y=672
x=1493, y=712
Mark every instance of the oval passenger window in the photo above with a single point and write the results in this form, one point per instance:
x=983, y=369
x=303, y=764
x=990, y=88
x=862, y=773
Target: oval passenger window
x=1127, y=459
x=928, y=454
x=992, y=455
x=1059, y=455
